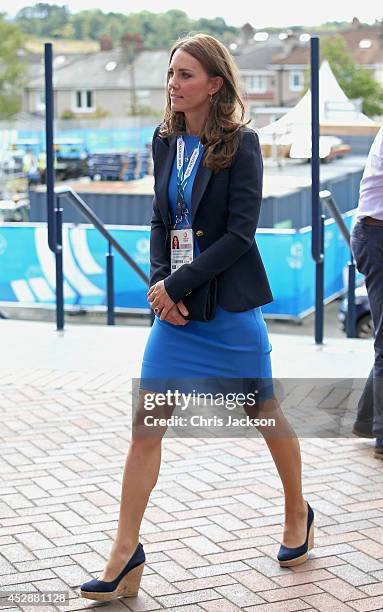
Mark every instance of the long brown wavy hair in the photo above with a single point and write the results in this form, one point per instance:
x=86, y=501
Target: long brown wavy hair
x=220, y=134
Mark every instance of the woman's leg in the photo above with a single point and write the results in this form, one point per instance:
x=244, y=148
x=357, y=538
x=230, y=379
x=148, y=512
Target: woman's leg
x=285, y=450
x=141, y=471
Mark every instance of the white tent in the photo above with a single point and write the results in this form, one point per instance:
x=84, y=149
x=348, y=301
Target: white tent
x=334, y=109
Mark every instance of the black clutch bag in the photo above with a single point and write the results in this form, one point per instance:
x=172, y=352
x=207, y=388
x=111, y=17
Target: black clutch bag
x=202, y=302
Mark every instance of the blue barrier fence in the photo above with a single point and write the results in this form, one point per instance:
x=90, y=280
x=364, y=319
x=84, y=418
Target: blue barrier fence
x=94, y=139
x=291, y=210
x=27, y=267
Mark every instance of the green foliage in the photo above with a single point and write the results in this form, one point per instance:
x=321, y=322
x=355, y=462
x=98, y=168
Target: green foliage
x=145, y=111
x=99, y=113
x=44, y=19
x=68, y=114
x=158, y=30
x=90, y=24
x=356, y=82
x=330, y=26
x=11, y=69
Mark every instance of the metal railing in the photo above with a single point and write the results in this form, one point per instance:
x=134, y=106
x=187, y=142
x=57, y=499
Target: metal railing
x=56, y=246
x=326, y=197
x=55, y=212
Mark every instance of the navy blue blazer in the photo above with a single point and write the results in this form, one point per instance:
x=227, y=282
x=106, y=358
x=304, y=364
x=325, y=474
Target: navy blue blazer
x=225, y=212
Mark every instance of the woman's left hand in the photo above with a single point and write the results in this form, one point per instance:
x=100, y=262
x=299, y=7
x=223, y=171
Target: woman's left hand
x=160, y=299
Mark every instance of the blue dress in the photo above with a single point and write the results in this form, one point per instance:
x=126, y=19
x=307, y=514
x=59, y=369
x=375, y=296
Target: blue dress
x=234, y=345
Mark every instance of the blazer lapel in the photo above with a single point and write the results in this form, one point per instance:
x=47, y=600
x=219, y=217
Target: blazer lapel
x=201, y=180
x=168, y=152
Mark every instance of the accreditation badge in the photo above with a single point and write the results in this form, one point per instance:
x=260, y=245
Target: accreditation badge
x=181, y=248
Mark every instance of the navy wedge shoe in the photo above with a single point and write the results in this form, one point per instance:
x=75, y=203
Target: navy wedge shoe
x=126, y=584
x=289, y=557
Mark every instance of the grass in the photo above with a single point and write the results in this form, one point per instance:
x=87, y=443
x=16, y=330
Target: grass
x=62, y=45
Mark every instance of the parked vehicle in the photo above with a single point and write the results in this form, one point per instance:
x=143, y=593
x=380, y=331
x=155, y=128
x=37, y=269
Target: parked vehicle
x=15, y=208
x=71, y=158
x=364, y=327
x=107, y=165
x=118, y=165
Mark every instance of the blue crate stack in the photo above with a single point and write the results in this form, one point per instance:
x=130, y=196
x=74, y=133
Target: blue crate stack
x=118, y=166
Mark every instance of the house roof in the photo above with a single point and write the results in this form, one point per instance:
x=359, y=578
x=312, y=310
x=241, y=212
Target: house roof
x=150, y=66
x=258, y=58
x=370, y=55
x=109, y=70
x=35, y=63
x=298, y=56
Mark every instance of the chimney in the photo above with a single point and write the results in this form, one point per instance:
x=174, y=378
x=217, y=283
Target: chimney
x=247, y=33
x=131, y=44
x=289, y=43
x=106, y=42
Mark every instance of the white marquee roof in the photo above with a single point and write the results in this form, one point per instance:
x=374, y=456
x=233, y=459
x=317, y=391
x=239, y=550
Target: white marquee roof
x=334, y=109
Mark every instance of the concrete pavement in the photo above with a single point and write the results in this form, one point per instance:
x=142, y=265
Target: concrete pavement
x=214, y=521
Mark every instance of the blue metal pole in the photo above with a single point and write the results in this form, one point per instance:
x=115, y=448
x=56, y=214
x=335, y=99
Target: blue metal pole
x=317, y=222
x=49, y=113
x=351, y=314
x=319, y=283
x=59, y=268
x=110, y=285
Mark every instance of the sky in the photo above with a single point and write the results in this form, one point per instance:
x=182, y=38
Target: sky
x=278, y=14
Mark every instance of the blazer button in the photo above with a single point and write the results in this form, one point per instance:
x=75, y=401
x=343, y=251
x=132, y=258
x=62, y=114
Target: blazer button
x=199, y=233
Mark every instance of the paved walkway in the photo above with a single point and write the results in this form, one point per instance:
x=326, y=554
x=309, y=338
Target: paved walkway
x=213, y=526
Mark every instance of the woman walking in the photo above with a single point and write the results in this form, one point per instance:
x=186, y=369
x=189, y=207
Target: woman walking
x=208, y=191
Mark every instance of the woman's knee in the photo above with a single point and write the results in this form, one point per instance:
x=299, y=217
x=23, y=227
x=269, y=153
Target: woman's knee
x=262, y=409
x=268, y=418
x=144, y=443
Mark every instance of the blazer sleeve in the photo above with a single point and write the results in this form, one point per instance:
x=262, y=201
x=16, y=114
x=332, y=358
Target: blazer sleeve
x=159, y=259
x=244, y=204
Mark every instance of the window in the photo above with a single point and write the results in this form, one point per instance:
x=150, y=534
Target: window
x=296, y=80
x=84, y=101
x=261, y=36
x=143, y=96
x=256, y=83
x=110, y=66
x=40, y=100
x=253, y=111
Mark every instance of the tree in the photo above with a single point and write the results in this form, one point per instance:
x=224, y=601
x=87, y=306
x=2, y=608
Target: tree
x=11, y=69
x=216, y=27
x=43, y=19
x=158, y=30
x=90, y=24
x=356, y=82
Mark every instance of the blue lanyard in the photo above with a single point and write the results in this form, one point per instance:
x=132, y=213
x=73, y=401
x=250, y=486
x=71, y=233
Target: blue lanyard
x=183, y=178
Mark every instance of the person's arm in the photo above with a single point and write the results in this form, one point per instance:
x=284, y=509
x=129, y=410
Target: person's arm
x=159, y=258
x=245, y=196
